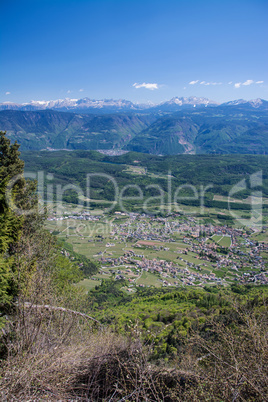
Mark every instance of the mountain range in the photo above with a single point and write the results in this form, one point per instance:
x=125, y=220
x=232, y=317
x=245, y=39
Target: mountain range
x=181, y=125
x=87, y=105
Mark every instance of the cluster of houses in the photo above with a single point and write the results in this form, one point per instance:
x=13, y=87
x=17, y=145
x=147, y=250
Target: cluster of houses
x=80, y=216
x=244, y=259
x=143, y=227
x=165, y=269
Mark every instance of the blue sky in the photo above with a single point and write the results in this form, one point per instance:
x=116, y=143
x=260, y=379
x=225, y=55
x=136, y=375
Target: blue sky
x=51, y=49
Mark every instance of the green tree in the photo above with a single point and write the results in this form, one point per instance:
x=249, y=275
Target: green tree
x=10, y=166
x=22, y=195
x=10, y=223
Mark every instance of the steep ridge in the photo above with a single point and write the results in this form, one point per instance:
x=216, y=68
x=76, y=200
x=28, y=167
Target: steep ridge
x=51, y=129
x=218, y=129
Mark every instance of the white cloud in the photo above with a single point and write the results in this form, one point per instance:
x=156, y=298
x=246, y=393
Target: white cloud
x=152, y=87
x=7, y=93
x=248, y=82
x=68, y=92
x=210, y=83
x=236, y=84
x=81, y=90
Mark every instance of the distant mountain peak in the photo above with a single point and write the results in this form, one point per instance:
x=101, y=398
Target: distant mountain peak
x=179, y=103
x=68, y=104
x=255, y=103
x=87, y=105
x=191, y=100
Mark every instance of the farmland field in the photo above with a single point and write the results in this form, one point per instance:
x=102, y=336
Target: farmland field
x=150, y=250
x=224, y=241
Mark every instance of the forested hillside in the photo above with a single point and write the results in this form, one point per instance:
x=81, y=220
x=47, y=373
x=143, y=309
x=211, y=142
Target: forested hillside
x=51, y=129
x=218, y=130
x=220, y=172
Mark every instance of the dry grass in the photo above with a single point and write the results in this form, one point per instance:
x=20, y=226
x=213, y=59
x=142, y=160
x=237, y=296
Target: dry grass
x=53, y=355
x=234, y=362
x=57, y=355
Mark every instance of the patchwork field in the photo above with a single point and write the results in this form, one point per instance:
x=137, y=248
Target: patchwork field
x=144, y=250
x=224, y=241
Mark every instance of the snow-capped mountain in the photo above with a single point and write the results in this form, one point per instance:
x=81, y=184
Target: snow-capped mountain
x=176, y=103
x=106, y=105
x=87, y=105
x=254, y=103
x=79, y=105
x=192, y=100
x=75, y=105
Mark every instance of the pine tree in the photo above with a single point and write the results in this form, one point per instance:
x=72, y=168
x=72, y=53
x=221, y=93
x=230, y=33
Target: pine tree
x=10, y=223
